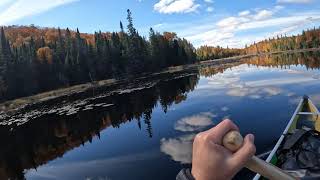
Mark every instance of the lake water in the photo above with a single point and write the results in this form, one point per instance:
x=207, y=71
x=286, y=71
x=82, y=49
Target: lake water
x=144, y=129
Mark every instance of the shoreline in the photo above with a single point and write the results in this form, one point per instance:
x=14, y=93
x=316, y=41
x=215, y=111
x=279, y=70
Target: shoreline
x=19, y=103
x=261, y=54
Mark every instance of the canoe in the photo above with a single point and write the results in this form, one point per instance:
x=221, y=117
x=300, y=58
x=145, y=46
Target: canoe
x=306, y=116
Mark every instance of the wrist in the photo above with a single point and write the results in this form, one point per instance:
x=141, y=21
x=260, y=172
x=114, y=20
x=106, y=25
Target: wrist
x=197, y=175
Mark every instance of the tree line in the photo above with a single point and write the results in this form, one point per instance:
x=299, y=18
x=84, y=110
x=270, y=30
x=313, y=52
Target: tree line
x=307, y=39
x=210, y=52
x=34, y=59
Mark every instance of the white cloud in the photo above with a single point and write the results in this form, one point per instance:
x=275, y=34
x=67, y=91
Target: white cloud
x=208, y=1
x=158, y=25
x=244, y=13
x=176, y=6
x=230, y=31
x=23, y=8
x=263, y=14
x=210, y=9
x=232, y=22
x=194, y=122
x=277, y=22
x=4, y=2
x=295, y=1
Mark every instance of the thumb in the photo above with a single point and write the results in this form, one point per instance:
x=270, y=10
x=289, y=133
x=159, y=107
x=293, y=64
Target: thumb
x=245, y=153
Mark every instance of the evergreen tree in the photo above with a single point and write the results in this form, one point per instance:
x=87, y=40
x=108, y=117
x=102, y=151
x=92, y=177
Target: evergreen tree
x=121, y=27
x=5, y=53
x=60, y=47
x=135, y=62
x=5, y=59
x=52, y=58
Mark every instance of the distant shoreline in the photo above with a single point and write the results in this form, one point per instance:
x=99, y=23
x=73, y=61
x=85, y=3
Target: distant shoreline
x=16, y=104
x=261, y=54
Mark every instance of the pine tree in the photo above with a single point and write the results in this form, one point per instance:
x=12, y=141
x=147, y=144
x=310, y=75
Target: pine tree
x=68, y=48
x=5, y=52
x=60, y=47
x=5, y=59
x=121, y=27
x=134, y=53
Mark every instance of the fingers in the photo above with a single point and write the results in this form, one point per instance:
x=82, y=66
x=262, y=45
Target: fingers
x=217, y=133
x=245, y=153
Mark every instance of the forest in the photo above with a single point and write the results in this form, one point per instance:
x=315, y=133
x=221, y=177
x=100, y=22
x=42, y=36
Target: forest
x=210, y=52
x=34, y=60
x=307, y=39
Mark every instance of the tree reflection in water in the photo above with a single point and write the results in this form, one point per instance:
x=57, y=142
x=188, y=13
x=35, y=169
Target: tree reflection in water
x=43, y=132
x=49, y=136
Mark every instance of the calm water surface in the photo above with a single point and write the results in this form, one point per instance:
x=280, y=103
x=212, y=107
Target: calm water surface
x=146, y=131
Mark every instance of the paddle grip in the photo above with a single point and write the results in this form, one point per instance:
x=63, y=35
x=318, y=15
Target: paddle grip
x=233, y=141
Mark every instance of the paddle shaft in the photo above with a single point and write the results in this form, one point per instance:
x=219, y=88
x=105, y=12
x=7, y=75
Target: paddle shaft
x=233, y=141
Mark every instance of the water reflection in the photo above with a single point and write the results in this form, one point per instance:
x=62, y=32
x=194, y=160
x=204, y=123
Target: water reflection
x=52, y=134
x=308, y=59
x=180, y=148
x=44, y=132
x=194, y=122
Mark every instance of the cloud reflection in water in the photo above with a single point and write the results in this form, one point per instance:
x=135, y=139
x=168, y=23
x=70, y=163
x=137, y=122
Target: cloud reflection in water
x=194, y=122
x=180, y=148
x=234, y=84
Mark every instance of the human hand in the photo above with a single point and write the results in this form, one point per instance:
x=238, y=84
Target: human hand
x=212, y=161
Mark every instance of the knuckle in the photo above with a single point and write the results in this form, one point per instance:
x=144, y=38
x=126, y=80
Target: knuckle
x=252, y=148
x=203, y=137
x=227, y=122
x=198, y=136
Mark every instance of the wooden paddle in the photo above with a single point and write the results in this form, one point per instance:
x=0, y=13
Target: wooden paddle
x=233, y=141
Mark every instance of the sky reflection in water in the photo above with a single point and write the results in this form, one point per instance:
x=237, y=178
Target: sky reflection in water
x=148, y=133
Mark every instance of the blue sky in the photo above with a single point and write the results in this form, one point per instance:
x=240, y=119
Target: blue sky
x=232, y=23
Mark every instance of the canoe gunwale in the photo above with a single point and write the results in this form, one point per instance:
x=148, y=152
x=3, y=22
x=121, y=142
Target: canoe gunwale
x=274, y=150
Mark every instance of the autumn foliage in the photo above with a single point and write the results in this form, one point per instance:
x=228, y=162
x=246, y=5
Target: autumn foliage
x=307, y=39
x=35, y=59
x=45, y=54
x=210, y=52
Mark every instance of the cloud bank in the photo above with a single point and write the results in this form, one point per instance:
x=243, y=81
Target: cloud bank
x=19, y=9
x=295, y=1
